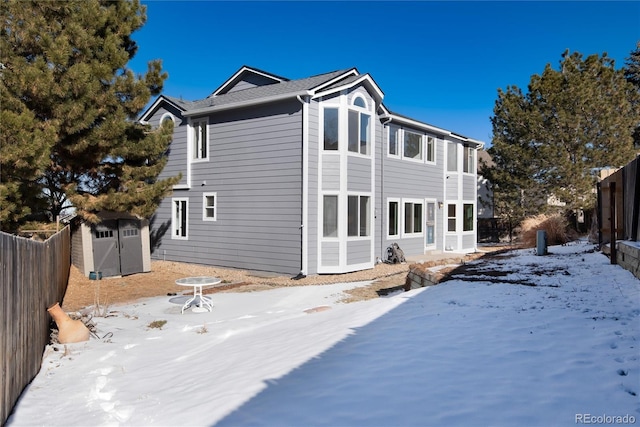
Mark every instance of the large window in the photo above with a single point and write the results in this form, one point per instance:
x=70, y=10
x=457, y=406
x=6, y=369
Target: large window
x=452, y=156
x=330, y=216
x=412, y=145
x=179, y=215
x=393, y=217
x=359, y=124
x=330, y=129
x=200, y=139
x=467, y=218
x=451, y=218
x=358, y=208
x=468, y=165
x=412, y=217
x=209, y=208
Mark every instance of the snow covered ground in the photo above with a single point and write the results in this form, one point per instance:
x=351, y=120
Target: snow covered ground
x=520, y=340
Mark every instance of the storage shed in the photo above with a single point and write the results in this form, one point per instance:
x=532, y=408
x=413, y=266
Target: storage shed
x=117, y=246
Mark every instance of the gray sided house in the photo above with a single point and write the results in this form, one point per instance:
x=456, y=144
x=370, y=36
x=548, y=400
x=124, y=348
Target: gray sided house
x=311, y=176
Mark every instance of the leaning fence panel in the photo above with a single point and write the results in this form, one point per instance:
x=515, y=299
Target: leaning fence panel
x=34, y=275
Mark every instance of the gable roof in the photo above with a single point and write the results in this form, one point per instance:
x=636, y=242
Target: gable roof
x=262, y=94
x=280, y=88
x=243, y=73
x=175, y=102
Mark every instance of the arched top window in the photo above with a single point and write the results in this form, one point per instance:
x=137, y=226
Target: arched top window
x=359, y=101
x=167, y=116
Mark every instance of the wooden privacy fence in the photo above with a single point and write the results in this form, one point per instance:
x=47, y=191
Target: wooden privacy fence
x=619, y=204
x=33, y=276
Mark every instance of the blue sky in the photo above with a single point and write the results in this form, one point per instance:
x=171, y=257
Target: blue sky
x=438, y=62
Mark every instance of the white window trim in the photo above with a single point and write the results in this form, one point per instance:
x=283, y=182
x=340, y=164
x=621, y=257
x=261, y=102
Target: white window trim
x=465, y=160
x=422, y=146
x=398, y=145
x=355, y=98
x=369, y=217
x=403, y=233
x=321, y=117
x=458, y=155
x=435, y=223
x=335, y=238
x=360, y=112
x=204, y=206
x=173, y=217
x=192, y=136
x=474, y=220
x=426, y=149
x=167, y=116
x=399, y=219
x=457, y=217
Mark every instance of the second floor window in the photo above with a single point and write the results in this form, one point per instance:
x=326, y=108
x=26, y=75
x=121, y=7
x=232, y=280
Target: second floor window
x=200, y=139
x=412, y=145
x=452, y=156
x=330, y=129
x=431, y=149
x=393, y=141
x=359, y=124
x=469, y=160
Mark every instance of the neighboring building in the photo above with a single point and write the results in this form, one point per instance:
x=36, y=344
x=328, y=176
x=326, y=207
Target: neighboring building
x=309, y=176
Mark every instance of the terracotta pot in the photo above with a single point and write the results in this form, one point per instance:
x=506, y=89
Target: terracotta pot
x=69, y=330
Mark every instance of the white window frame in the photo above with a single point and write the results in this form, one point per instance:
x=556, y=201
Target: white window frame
x=454, y=217
x=322, y=124
x=195, y=143
x=455, y=151
x=205, y=217
x=397, y=130
x=322, y=212
x=360, y=112
x=430, y=246
x=468, y=160
x=167, y=116
x=369, y=224
x=413, y=159
x=473, y=216
x=430, y=148
x=398, y=217
x=185, y=211
x=422, y=221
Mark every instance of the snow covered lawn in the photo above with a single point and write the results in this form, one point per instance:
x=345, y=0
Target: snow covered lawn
x=516, y=340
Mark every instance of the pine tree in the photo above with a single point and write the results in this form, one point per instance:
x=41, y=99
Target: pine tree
x=632, y=73
x=69, y=105
x=551, y=140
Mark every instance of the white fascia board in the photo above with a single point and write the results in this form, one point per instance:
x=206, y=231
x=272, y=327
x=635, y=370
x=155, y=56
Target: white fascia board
x=146, y=115
x=415, y=123
x=420, y=125
x=348, y=73
x=478, y=144
x=238, y=73
x=241, y=104
x=364, y=79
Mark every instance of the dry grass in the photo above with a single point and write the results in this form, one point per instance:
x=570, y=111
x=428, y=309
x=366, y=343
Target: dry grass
x=556, y=227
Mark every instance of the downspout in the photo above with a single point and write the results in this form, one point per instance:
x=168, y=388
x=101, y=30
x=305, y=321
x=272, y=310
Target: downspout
x=382, y=201
x=304, y=229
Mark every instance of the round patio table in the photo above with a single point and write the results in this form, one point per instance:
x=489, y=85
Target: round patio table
x=198, y=282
